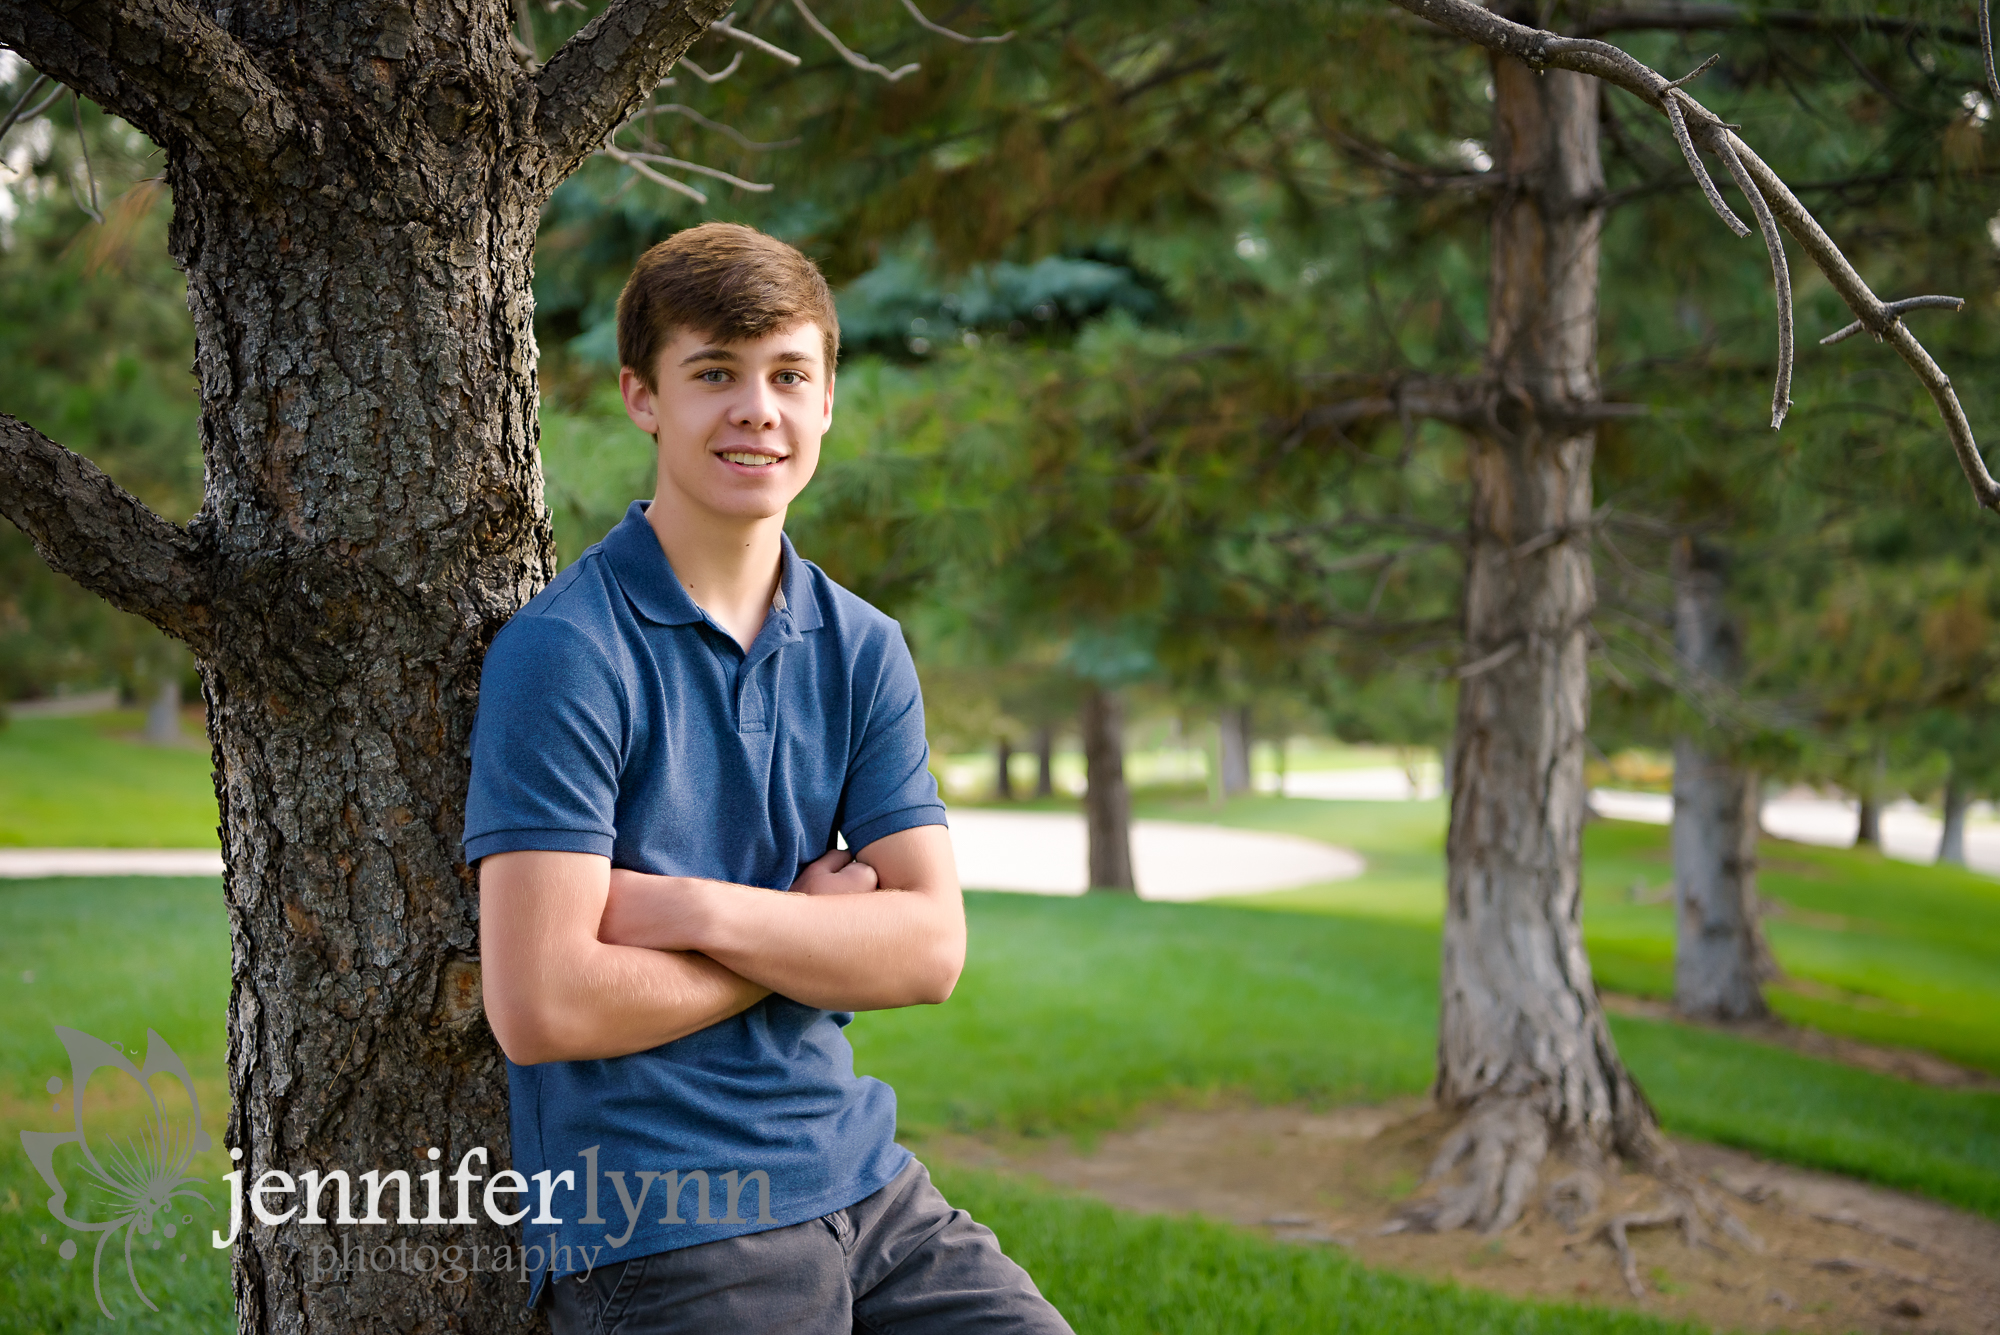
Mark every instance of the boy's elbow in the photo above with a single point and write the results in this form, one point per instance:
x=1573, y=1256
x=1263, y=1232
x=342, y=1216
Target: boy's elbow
x=529, y=1034
x=942, y=976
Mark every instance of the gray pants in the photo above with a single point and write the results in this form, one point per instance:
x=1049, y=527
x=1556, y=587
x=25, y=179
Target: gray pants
x=901, y=1262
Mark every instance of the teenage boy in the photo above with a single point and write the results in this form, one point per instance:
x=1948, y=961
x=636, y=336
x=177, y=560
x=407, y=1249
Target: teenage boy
x=670, y=736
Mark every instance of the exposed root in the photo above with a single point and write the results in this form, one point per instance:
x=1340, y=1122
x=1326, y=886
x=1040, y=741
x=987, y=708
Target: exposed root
x=1679, y=1212
x=1502, y=1146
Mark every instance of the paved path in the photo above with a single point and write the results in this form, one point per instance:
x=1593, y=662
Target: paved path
x=1043, y=853
x=1036, y=852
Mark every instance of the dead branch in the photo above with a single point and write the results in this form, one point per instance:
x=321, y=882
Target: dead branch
x=1986, y=48
x=619, y=155
x=943, y=31
x=1895, y=308
x=598, y=78
x=165, y=66
x=88, y=527
x=742, y=140
x=1766, y=190
x=726, y=25
x=34, y=86
x=853, y=58
x=682, y=164
x=687, y=63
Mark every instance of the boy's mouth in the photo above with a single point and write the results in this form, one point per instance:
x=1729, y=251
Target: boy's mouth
x=749, y=459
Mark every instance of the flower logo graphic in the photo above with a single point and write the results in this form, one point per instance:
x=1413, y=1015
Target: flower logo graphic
x=132, y=1183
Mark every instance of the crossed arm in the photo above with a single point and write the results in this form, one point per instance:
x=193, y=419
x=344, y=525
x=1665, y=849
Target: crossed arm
x=581, y=961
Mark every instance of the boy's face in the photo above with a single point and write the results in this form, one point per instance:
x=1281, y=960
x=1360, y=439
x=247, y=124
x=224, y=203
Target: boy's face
x=738, y=424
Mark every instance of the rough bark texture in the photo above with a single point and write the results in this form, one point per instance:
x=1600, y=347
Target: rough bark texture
x=1232, y=727
x=356, y=190
x=1107, y=805
x=1951, y=840
x=1720, y=956
x=1523, y=1048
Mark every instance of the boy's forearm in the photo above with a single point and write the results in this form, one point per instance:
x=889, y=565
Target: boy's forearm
x=622, y=1000
x=555, y=992
x=873, y=951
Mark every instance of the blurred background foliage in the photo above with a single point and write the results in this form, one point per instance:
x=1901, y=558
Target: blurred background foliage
x=1108, y=288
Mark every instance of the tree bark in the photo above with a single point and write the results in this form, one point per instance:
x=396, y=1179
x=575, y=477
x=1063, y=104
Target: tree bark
x=1951, y=840
x=1003, y=761
x=1107, y=805
x=1868, y=821
x=1045, y=762
x=1524, y=1052
x=1232, y=725
x=1720, y=956
x=356, y=191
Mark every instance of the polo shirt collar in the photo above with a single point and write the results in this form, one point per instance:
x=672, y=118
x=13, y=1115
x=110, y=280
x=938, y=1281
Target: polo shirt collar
x=648, y=578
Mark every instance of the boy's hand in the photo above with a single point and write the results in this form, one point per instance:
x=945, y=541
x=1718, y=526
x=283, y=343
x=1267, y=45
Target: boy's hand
x=835, y=872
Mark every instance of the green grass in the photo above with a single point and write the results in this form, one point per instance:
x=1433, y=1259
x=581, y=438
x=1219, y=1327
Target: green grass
x=112, y=958
x=1111, y=1273
x=89, y=783
x=1879, y=950
x=1073, y=1013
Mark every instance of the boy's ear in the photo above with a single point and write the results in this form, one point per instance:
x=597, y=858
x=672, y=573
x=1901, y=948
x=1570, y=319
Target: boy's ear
x=639, y=405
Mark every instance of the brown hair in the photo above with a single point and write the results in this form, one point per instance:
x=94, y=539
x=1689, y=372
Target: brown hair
x=724, y=280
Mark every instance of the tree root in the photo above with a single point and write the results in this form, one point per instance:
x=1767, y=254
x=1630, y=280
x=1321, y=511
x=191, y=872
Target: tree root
x=1485, y=1174
x=1502, y=1145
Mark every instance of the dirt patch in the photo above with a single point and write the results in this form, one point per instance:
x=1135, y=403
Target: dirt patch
x=1834, y=1255
x=1923, y=1068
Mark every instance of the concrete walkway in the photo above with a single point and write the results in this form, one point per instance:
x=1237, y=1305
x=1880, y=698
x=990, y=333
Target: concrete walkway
x=1040, y=853
x=1044, y=853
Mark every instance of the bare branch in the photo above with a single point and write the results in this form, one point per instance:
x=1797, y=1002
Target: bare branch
x=632, y=161
x=1895, y=308
x=943, y=31
x=91, y=529
x=598, y=78
x=734, y=61
x=34, y=86
x=742, y=140
x=853, y=58
x=164, y=65
x=1781, y=274
x=1986, y=48
x=1542, y=49
x=686, y=166
x=726, y=25
x=1678, y=119
x=89, y=172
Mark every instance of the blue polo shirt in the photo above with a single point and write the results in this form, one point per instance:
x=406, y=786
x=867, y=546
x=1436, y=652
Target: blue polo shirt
x=616, y=718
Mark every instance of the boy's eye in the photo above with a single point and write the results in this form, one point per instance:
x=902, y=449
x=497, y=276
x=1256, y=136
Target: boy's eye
x=714, y=375
x=791, y=378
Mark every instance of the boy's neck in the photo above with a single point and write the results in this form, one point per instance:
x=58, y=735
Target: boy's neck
x=729, y=566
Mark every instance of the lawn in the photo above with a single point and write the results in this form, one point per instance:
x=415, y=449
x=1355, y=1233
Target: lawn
x=1073, y=1014
x=1876, y=949
x=115, y=957
x=90, y=783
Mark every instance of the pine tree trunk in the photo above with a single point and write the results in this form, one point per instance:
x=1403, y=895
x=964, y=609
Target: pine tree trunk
x=1045, y=762
x=368, y=423
x=1951, y=840
x=356, y=191
x=1003, y=761
x=1524, y=1051
x=1232, y=725
x=1720, y=957
x=1107, y=806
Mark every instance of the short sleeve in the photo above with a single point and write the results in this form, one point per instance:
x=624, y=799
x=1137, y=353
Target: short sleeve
x=889, y=784
x=547, y=744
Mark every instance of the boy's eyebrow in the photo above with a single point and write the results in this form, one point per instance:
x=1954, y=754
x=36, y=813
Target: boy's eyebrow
x=708, y=354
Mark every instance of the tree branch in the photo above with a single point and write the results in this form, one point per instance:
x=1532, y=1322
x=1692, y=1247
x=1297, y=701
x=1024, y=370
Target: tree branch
x=600, y=76
x=165, y=66
x=88, y=527
x=1540, y=49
